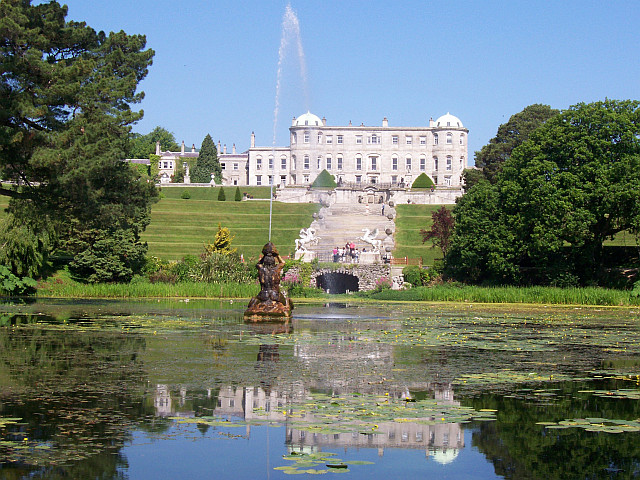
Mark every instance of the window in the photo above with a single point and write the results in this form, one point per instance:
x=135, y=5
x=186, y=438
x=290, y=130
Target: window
x=235, y=166
x=223, y=165
x=283, y=179
x=258, y=163
x=372, y=180
x=423, y=164
x=447, y=180
x=339, y=140
x=374, y=163
x=283, y=163
x=270, y=179
x=319, y=138
x=258, y=179
x=329, y=139
x=409, y=140
x=435, y=163
x=359, y=139
x=306, y=137
x=408, y=160
x=449, y=162
x=423, y=140
x=394, y=139
x=449, y=139
x=319, y=162
x=165, y=164
x=306, y=162
x=270, y=163
x=394, y=163
x=462, y=139
x=358, y=163
x=235, y=182
x=435, y=138
x=339, y=159
x=394, y=179
x=306, y=178
x=358, y=178
x=462, y=162
x=375, y=139
x=328, y=163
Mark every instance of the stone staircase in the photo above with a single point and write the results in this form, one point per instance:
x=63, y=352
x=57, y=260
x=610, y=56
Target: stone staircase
x=345, y=222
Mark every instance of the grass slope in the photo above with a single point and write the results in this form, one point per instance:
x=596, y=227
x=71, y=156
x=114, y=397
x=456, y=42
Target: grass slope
x=181, y=226
x=410, y=219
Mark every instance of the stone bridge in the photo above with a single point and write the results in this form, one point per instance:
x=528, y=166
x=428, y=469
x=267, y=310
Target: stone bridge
x=352, y=277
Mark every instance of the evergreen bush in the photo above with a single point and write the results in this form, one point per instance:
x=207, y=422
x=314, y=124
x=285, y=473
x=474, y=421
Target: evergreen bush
x=185, y=194
x=422, y=181
x=238, y=195
x=324, y=180
x=221, y=195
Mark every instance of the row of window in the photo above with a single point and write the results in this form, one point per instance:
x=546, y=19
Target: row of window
x=376, y=139
x=373, y=163
x=358, y=179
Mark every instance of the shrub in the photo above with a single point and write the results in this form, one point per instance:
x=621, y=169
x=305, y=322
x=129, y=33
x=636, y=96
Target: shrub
x=324, y=180
x=185, y=194
x=12, y=285
x=422, y=181
x=383, y=283
x=221, y=195
x=238, y=196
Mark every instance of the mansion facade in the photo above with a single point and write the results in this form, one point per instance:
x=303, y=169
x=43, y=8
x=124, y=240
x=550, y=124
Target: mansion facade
x=353, y=154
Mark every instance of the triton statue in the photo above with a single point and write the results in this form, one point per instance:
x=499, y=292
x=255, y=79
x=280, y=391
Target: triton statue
x=270, y=302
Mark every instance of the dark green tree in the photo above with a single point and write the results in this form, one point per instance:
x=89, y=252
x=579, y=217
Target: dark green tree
x=207, y=163
x=238, y=196
x=324, y=180
x=221, y=196
x=558, y=197
x=65, y=119
x=141, y=146
x=511, y=134
x=422, y=181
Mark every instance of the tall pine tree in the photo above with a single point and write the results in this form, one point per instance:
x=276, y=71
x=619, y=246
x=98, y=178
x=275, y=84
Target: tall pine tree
x=207, y=163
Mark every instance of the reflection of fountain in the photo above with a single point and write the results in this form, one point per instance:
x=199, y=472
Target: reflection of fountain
x=270, y=302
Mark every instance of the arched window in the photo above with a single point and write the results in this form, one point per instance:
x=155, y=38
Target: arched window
x=435, y=138
x=449, y=162
x=259, y=163
x=435, y=163
x=270, y=163
x=423, y=163
x=449, y=139
x=358, y=162
x=319, y=162
x=306, y=162
x=462, y=139
x=394, y=163
x=283, y=163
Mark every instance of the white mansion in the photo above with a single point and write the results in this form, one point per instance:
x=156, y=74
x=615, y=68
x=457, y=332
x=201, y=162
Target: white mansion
x=362, y=154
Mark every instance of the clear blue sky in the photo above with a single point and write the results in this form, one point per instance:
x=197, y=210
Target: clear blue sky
x=216, y=62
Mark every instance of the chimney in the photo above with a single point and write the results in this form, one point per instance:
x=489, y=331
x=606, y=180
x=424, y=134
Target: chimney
x=253, y=139
x=385, y=122
x=193, y=148
x=182, y=147
x=431, y=122
x=324, y=122
x=219, y=146
x=293, y=122
x=158, y=147
x=233, y=150
x=225, y=149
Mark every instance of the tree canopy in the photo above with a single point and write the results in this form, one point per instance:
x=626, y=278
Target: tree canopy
x=65, y=119
x=207, y=163
x=559, y=196
x=142, y=146
x=511, y=134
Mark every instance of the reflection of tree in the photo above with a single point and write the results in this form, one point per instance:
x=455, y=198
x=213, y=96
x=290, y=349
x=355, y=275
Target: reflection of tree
x=518, y=448
x=78, y=394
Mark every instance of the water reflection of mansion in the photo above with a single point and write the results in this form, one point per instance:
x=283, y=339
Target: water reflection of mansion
x=361, y=154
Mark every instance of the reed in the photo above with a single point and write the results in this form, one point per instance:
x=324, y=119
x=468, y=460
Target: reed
x=533, y=295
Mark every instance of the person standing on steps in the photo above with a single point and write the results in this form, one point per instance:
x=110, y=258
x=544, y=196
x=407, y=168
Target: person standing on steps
x=383, y=209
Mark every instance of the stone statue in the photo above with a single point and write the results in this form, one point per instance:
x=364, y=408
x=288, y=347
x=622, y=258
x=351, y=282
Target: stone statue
x=307, y=237
x=370, y=238
x=270, y=302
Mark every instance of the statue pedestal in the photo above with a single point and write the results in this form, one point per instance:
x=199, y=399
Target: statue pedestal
x=306, y=257
x=369, y=257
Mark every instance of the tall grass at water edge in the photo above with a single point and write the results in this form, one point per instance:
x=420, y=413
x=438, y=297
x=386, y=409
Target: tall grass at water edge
x=149, y=290
x=534, y=295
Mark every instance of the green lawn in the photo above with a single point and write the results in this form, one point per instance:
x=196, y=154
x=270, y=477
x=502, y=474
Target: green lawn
x=409, y=221
x=181, y=226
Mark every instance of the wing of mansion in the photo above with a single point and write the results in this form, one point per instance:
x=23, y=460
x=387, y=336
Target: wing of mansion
x=355, y=155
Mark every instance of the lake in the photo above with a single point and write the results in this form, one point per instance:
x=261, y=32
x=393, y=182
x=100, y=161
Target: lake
x=187, y=389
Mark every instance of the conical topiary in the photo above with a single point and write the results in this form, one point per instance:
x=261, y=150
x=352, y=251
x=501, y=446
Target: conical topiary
x=422, y=181
x=324, y=180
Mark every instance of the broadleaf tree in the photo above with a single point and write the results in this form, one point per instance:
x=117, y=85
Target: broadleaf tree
x=573, y=185
x=65, y=118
